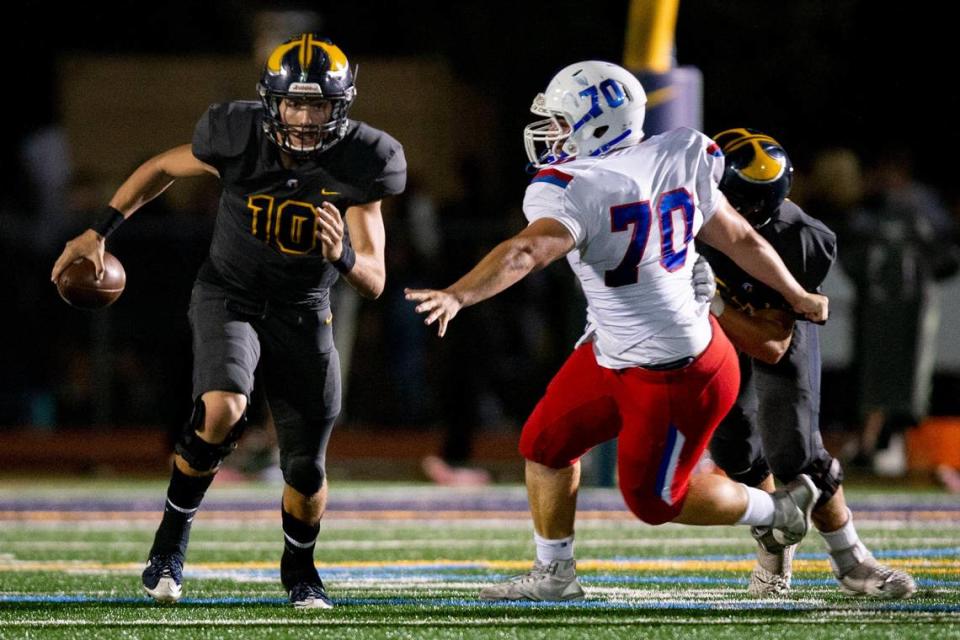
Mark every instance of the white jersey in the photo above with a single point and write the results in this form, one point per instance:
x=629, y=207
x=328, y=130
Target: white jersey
x=633, y=214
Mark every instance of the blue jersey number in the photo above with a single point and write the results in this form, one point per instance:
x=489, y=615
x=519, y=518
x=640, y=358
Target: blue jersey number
x=612, y=94
x=638, y=214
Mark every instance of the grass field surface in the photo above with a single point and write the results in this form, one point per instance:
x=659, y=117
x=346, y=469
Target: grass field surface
x=407, y=561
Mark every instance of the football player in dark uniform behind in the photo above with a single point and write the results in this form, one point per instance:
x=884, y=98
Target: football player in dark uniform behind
x=774, y=425
x=300, y=207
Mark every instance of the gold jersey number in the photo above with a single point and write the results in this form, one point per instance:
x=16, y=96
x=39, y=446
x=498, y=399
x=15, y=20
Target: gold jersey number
x=290, y=226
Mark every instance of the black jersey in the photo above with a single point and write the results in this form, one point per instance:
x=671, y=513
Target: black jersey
x=807, y=247
x=775, y=423
x=264, y=242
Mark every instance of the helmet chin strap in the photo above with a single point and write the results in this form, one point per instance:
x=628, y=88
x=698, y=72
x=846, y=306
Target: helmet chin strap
x=759, y=218
x=760, y=225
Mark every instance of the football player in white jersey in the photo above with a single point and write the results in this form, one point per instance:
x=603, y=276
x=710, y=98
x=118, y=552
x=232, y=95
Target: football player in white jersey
x=652, y=369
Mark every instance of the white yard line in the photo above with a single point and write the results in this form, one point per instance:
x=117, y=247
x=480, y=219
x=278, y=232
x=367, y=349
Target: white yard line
x=860, y=617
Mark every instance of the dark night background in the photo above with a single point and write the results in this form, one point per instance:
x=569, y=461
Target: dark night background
x=818, y=72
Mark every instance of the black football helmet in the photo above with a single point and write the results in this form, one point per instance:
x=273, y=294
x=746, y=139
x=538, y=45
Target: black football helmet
x=306, y=67
x=757, y=173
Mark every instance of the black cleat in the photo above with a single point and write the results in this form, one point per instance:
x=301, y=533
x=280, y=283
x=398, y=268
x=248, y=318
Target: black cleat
x=163, y=577
x=310, y=594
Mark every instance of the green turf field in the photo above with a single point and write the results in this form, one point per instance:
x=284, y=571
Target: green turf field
x=407, y=561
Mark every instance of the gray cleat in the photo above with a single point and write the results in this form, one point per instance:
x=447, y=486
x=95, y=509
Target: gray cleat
x=868, y=577
x=792, y=507
x=556, y=581
x=774, y=568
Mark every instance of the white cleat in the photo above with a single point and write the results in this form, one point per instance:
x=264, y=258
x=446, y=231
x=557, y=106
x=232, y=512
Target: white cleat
x=166, y=592
x=870, y=578
x=774, y=567
x=556, y=581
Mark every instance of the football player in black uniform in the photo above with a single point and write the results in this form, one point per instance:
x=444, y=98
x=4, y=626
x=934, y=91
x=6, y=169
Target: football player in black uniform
x=774, y=425
x=300, y=206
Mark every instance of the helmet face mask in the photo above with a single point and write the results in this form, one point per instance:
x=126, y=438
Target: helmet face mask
x=307, y=136
x=757, y=173
x=590, y=108
x=544, y=139
x=308, y=72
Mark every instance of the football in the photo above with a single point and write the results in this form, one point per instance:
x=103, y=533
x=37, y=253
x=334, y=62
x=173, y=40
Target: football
x=79, y=287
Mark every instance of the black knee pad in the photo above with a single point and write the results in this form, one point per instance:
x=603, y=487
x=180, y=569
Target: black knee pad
x=200, y=454
x=753, y=475
x=303, y=473
x=827, y=474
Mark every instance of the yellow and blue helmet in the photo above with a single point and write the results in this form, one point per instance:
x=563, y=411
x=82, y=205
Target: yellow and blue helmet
x=306, y=67
x=757, y=172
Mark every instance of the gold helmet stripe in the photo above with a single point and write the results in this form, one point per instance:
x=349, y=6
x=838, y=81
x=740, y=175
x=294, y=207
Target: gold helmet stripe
x=730, y=135
x=306, y=51
x=338, y=60
x=306, y=43
x=763, y=167
x=275, y=60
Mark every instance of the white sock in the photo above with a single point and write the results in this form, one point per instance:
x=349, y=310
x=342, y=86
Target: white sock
x=759, y=512
x=843, y=538
x=550, y=550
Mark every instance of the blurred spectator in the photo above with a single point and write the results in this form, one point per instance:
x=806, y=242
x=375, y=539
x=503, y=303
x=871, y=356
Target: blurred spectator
x=35, y=171
x=386, y=351
x=466, y=370
x=496, y=365
x=831, y=191
x=898, y=245
x=949, y=477
x=834, y=187
x=486, y=376
x=414, y=242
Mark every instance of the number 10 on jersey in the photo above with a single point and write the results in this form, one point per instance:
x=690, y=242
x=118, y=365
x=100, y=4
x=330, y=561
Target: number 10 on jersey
x=290, y=226
x=638, y=214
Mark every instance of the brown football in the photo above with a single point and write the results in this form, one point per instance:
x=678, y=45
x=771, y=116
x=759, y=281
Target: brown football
x=78, y=285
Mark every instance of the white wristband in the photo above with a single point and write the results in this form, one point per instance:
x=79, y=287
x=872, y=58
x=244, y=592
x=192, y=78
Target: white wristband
x=717, y=306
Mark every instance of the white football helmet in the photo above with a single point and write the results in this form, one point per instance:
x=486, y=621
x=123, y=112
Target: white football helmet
x=590, y=107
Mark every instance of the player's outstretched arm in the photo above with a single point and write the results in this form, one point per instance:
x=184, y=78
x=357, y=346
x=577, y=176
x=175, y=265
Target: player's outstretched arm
x=148, y=181
x=510, y=261
x=728, y=232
